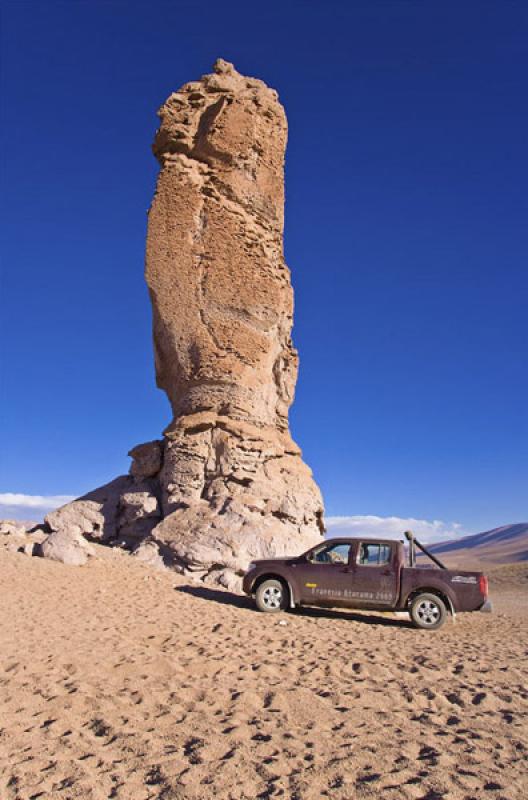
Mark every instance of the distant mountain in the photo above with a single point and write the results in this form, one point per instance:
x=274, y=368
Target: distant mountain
x=505, y=545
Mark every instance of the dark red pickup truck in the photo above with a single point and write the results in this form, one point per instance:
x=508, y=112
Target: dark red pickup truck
x=370, y=574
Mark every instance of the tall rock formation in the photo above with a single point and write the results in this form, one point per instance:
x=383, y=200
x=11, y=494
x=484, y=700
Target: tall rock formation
x=227, y=483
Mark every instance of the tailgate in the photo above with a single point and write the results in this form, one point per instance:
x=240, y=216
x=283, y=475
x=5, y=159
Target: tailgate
x=471, y=589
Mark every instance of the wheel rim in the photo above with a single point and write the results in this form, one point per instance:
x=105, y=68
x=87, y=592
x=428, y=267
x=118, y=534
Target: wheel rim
x=272, y=597
x=428, y=612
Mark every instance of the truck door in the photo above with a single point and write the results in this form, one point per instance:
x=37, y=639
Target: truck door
x=325, y=575
x=374, y=574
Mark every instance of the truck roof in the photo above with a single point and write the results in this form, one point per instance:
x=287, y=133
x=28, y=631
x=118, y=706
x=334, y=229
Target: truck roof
x=367, y=538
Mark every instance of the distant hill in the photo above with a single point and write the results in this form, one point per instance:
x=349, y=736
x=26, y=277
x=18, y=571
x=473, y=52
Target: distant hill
x=505, y=545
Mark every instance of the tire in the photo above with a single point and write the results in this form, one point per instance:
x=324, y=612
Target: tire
x=428, y=611
x=271, y=596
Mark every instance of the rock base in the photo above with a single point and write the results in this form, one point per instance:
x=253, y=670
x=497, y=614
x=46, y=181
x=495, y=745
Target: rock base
x=205, y=501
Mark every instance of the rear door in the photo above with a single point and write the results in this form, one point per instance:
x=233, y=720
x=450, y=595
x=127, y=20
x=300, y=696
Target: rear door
x=374, y=574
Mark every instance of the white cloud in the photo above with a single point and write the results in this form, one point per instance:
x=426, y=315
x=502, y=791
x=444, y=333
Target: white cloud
x=33, y=506
x=393, y=527
x=30, y=506
x=34, y=500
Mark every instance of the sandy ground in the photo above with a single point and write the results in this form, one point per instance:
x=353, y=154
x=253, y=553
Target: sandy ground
x=120, y=682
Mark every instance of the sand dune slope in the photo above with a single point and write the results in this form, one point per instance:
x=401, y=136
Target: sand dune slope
x=118, y=682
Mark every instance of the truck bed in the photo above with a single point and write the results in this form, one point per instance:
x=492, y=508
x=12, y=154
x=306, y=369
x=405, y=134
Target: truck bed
x=465, y=591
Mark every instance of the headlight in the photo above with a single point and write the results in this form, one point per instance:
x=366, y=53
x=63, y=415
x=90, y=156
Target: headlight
x=251, y=566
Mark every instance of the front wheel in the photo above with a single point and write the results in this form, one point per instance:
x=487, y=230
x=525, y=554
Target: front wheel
x=271, y=596
x=428, y=611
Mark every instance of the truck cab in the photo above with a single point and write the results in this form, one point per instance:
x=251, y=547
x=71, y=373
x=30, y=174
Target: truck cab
x=350, y=572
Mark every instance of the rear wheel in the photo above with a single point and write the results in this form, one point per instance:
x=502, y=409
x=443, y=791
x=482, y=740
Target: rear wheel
x=428, y=611
x=271, y=596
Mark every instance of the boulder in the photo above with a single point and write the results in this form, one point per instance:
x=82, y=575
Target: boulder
x=149, y=553
x=147, y=459
x=68, y=546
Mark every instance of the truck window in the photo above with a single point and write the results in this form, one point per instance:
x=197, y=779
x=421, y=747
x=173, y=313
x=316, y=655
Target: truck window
x=331, y=554
x=371, y=554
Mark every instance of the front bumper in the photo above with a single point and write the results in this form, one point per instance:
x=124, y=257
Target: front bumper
x=487, y=608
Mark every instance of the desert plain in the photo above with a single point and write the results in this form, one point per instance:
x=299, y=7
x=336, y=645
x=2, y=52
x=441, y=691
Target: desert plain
x=120, y=681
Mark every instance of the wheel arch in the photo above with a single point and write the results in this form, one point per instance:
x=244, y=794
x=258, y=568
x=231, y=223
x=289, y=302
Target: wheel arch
x=275, y=576
x=444, y=596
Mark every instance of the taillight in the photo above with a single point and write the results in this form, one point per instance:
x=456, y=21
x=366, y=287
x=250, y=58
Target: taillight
x=483, y=585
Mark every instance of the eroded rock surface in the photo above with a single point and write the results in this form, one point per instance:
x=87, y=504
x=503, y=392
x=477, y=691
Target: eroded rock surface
x=221, y=292
x=123, y=511
x=233, y=484
x=227, y=484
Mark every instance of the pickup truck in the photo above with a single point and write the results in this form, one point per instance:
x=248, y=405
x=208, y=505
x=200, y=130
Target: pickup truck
x=369, y=574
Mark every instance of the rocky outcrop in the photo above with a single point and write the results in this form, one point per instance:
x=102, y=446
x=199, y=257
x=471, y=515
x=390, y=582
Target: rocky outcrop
x=122, y=512
x=20, y=537
x=12, y=527
x=227, y=484
x=233, y=484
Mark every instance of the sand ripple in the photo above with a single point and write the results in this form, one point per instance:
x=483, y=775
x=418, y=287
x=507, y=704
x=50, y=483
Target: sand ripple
x=117, y=682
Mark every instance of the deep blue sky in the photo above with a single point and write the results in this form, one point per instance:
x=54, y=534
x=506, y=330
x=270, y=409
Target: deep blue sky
x=406, y=235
